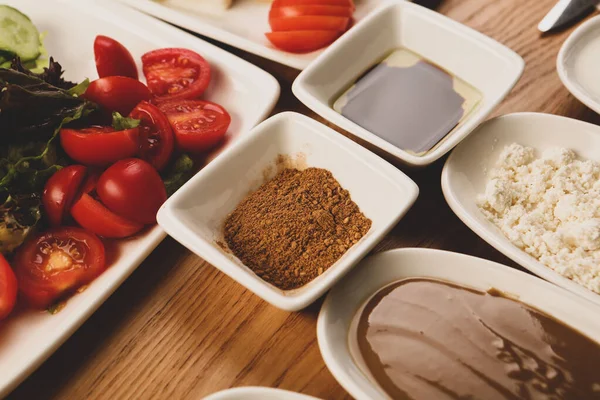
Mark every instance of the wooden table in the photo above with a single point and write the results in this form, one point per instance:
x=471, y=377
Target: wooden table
x=180, y=329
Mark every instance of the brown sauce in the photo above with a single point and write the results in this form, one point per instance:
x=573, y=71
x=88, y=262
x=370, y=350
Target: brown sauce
x=408, y=101
x=428, y=339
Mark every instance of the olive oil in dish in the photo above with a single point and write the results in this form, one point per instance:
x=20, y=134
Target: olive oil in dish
x=408, y=101
x=425, y=338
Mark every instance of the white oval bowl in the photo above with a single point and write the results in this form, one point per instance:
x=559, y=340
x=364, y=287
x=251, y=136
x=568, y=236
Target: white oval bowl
x=569, y=54
x=257, y=393
x=375, y=272
x=464, y=175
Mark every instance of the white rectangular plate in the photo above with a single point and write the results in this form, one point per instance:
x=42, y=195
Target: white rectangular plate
x=243, y=26
x=247, y=92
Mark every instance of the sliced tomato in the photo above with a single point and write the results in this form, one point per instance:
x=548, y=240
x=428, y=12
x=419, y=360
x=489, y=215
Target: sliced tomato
x=341, y=3
x=198, y=125
x=95, y=217
x=117, y=93
x=176, y=74
x=310, y=23
x=302, y=41
x=56, y=263
x=90, y=182
x=133, y=189
x=113, y=59
x=100, y=146
x=299, y=11
x=156, y=136
x=60, y=192
x=8, y=288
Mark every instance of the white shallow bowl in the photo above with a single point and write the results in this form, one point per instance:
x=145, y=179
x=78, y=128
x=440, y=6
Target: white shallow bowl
x=248, y=93
x=243, y=26
x=489, y=66
x=375, y=272
x=464, y=176
x=257, y=393
x=194, y=216
x=578, y=63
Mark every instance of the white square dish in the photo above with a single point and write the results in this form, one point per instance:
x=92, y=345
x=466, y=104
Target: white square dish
x=464, y=176
x=194, y=216
x=243, y=26
x=375, y=272
x=247, y=92
x=485, y=64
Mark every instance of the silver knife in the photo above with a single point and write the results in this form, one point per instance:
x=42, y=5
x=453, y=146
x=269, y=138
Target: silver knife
x=565, y=12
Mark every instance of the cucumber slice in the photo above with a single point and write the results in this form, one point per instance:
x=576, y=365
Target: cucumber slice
x=18, y=35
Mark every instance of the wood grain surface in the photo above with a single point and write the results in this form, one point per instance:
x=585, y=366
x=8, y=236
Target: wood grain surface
x=180, y=329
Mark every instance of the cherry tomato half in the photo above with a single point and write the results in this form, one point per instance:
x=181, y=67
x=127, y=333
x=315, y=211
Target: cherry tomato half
x=310, y=10
x=100, y=146
x=198, y=125
x=117, y=93
x=113, y=59
x=60, y=192
x=132, y=189
x=56, y=263
x=176, y=74
x=8, y=288
x=156, y=136
x=284, y=3
x=95, y=217
x=302, y=41
x=310, y=23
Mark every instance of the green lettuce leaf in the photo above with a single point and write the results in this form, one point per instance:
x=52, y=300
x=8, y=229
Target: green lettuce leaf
x=178, y=173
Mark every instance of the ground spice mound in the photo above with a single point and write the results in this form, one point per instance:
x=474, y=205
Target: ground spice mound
x=294, y=227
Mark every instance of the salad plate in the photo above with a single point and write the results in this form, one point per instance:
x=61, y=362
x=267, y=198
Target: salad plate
x=243, y=26
x=375, y=272
x=578, y=62
x=247, y=92
x=465, y=175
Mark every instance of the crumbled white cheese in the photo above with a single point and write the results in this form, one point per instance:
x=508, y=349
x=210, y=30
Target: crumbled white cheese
x=550, y=208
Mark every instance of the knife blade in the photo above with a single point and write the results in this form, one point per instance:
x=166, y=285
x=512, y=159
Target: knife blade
x=566, y=11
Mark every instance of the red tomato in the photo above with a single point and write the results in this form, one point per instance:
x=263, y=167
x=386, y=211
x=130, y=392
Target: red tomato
x=299, y=11
x=302, y=41
x=310, y=23
x=113, y=59
x=8, y=288
x=95, y=217
x=198, y=125
x=60, y=192
x=156, y=135
x=342, y=3
x=100, y=146
x=176, y=74
x=132, y=189
x=117, y=93
x=55, y=263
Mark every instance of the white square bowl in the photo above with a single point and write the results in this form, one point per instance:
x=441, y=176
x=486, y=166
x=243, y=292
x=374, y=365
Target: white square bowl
x=194, y=215
x=487, y=65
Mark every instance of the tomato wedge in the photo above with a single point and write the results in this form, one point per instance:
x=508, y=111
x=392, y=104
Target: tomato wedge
x=133, y=189
x=310, y=23
x=342, y=3
x=176, y=74
x=156, y=136
x=56, y=263
x=95, y=217
x=299, y=11
x=198, y=125
x=8, y=288
x=60, y=192
x=117, y=93
x=100, y=146
x=113, y=59
x=302, y=41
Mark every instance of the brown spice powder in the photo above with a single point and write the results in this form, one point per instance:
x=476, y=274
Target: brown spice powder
x=294, y=227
